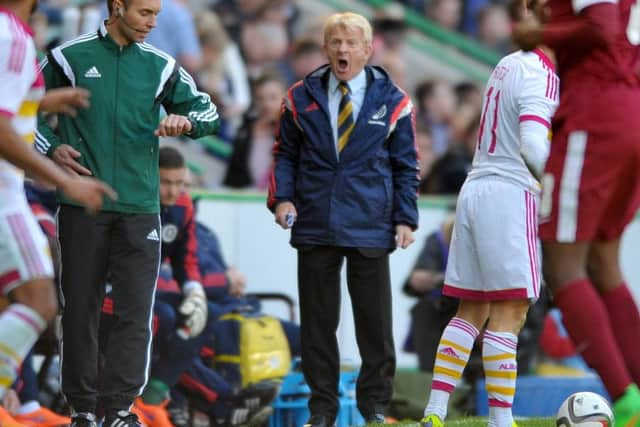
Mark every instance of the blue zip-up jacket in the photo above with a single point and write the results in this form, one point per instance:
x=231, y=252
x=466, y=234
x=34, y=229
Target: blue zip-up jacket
x=356, y=200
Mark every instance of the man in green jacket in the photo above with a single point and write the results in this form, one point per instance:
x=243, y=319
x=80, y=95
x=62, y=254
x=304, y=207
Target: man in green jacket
x=116, y=140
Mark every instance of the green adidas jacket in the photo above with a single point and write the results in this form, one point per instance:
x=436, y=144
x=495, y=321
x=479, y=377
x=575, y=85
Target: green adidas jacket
x=116, y=133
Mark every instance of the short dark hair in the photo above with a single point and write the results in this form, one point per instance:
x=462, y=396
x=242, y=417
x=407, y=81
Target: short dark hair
x=110, y=5
x=304, y=46
x=267, y=76
x=170, y=158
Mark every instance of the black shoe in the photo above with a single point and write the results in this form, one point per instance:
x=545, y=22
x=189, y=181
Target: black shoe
x=319, y=421
x=251, y=406
x=83, y=419
x=257, y=395
x=376, y=418
x=121, y=419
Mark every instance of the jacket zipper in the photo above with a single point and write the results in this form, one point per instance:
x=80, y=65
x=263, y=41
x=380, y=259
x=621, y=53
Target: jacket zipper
x=115, y=119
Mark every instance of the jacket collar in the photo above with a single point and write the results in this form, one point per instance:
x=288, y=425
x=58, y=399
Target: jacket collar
x=355, y=84
x=317, y=80
x=104, y=35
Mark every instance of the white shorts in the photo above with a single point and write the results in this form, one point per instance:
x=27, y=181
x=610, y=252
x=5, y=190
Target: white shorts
x=494, y=252
x=24, y=250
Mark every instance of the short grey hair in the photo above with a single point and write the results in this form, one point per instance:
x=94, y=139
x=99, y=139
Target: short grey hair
x=349, y=20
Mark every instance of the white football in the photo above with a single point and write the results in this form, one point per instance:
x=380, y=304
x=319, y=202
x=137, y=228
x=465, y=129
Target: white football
x=585, y=409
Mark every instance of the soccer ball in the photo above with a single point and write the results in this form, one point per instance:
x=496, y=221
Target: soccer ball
x=585, y=409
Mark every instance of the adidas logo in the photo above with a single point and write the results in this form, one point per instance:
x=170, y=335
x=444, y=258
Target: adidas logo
x=93, y=73
x=153, y=235
x=449, y=352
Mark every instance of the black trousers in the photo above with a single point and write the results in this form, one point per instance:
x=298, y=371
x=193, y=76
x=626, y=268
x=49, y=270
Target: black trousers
x=126, y=247
x=368, y=281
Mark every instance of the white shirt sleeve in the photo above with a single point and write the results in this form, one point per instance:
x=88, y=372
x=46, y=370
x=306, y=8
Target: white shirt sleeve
x=15, y=79
x=539, y=94
x=534, y=146
x=537, y=102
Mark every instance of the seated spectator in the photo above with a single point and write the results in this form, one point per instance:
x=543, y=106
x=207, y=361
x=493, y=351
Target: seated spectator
x=264, y=45
x=389, y=37
x=446, y=13
x=449, y=171
x=494, y=28
x=223, y=74
x=305, y=56
x=425, y=151
x=436, y=108
x=175, y=34
x=433, y=311
x=250, y=164
x=468, y=107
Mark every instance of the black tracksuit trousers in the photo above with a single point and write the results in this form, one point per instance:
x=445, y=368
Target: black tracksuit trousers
x=126, y=249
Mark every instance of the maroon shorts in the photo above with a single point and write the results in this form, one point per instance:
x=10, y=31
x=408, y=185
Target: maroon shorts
x=591, y=186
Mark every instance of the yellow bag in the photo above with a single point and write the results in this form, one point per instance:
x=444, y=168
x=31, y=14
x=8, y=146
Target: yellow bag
x=251, y=347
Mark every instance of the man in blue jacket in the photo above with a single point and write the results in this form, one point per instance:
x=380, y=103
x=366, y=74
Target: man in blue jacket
x=345, y=180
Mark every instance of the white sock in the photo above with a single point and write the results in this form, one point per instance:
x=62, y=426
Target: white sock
x=499, y=417
x=500, y=369
x=452, y=357
x=438, y=402
x=20, y=327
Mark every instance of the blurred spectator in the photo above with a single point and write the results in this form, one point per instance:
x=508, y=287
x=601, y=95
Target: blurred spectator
x=236, y=13
x=250, y=164
x=223, y=74
x=470, y=12
x=389, y=41
x=432, y=312
x=494, y=28
x=449, y=171
x=468, y=93
x=436, y=104
x=79, y=18
x=389, y=35
x=39, y=23
x=396, y=65
x=175, y=34
x=469, y=106
x=305, y=55
x=264, y=44
x=446, y=13
x=314, y=29
x=425, y=151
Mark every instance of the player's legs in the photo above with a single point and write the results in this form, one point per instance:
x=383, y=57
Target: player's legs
x=34, y=305
x=452, y=356
x=606, y=275
x=499, y=344
x=25, y=276
x=589, y=189
x=566, y=276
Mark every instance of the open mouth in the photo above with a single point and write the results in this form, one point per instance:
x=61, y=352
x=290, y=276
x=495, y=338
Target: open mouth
x=343, y=65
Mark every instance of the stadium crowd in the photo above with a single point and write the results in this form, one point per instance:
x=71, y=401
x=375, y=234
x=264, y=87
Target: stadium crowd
x=244, y=55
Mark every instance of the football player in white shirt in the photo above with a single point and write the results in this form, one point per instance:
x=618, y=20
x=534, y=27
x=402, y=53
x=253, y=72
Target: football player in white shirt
x=26, y=269
x=493, y=265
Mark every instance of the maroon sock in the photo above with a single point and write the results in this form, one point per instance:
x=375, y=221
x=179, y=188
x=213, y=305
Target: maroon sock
x=585, y=317
x=625, y=321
